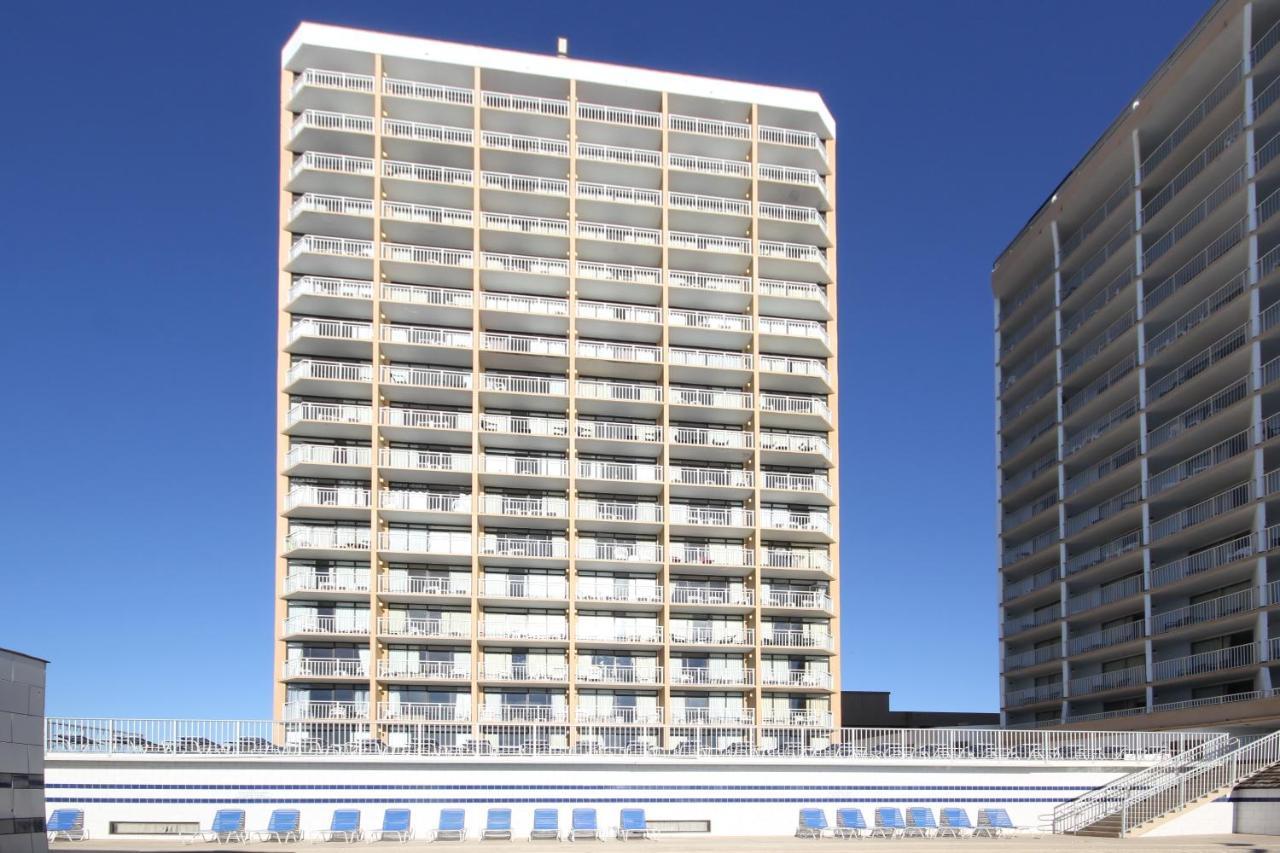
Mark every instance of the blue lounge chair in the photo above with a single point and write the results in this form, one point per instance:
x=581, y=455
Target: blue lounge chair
x=849, y=823
x=396, y=823
x=921, y=822
x=453, y=824
x=889, y=823
x=632, y=824
x=66, y=825
x=546, y=824
x=813, y=824
x=954, y=822
x=993, y=823
x=228, y=825
x=283, y=825
x=584, y=825
x=497, y=824
x=344, y=825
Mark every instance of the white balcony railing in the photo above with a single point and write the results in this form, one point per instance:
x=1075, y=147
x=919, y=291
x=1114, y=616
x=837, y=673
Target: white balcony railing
x=426, y=336
x=548, y=671
x=797, y=558
x=430, y=255
x=426, y=174
x=728, y=477
x=713, y=359
x=708, y=242
x=709, y=281
x=713, y=596
x=430, y=670
x=794, y=328
x=435, y=297
x=516, y=303
x=304, y=580
x=796, y=678
x=805, y=599
x=789, y=175
x=789, y=136
x=402, y=583
x=619, y=233
x=775, y=519
x=790, y=404
x=339, y=330
x=686, y=716
x=523, y=264
x=444, y=542
x=618, y=194
x=329, y=413
x=525, y=344
x=795, y=443
x=618, y=714
x=709, y=437
x=619, y=115
x=542, y=507
x=330, y=287
x=594, y=673
x=727, y=675
x=795, y=717
x=798, y=639
x=783, y=481
x=327, y=496
x=793, y=290
x=620, y=155
x=792, y=366
x=628, y=472
x=618, y=312
x=337, y=247
x=549, y=426
x=716, y=205
x=326, y=120
x=420, y=131
x=523, y=714
x=524, y=144
x=712, y=516
x=710, y=397
x=683, y=553
x=619, y=431
x=596, y=510
x=625, y=392
x=434, y=626
x=439, y=712
x=1231, y=657
x=623, y=273
x=617, y=590
x=424, y=460
x=709, y=165
x=543, y=386
x=524, y=630
x=354, y=622
x=638, y=353
x=619, y=632
x=619, y=551
x=428, y=92
x=524, y=586
x=337, y=205
x=494, y=545
x=303, y=710
x=352, y=668
x=524, y=466
x=530, y=184
x=397, y=499
x=424, y=418
x=316, y=538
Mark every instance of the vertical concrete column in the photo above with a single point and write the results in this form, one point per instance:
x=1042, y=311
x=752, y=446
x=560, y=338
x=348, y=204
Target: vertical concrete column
x=664, y=341
x=571, y=613
x=754, y=579
x=833, y=364
x=376, y=482
x=473, y=604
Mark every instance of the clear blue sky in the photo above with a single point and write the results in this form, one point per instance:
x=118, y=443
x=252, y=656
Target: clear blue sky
x=139, y=231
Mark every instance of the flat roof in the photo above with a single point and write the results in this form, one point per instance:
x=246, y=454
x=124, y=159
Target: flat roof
x=3, y=650
x=547, y=65
x=1117, y=122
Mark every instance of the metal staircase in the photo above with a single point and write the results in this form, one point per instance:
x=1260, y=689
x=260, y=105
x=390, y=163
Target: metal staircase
x=1133, y=803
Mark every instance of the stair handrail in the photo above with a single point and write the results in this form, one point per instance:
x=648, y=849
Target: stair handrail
x=1226, y=770
x=1093, y=806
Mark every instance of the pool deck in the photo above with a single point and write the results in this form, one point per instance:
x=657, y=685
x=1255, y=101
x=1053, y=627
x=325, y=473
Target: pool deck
x=680, y=844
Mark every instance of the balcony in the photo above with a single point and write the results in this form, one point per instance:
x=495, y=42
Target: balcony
x=641, y=157
x=1198, y=364
x=621, y=475
x=427, y=264
x=341, y=584
x=1032, y=657
x=1212, y=610
x=716, y=443
x=727, y=676
x=319, y=460
x=602, y=397
x=352, y=624
x=785, y=336
x=394, y=502
x=329, y=501
x=321, y=541
x=538, y=586
x=713, y=166
x=699, y=481
x=427, y=627
x=796, y=522
x=313, y=171
x=1116, y=679
x=817, y=639
x=793, y=222
x=801, y=374
x=619, y=714
x=451, y=467
x=526, y=392
x=1107, y=594
x=795, y=411
x=813, y=484
x=431, y=92
x=793, y=260
x=331, y=297
x=1232, y=657
x=704, y=290
x=333, y=215
x=711, y=596
x=520, y=144
x=425, y=132
x=1033, y=695
x=1107, y=637
x=619, y=551
x=547, y=671
x=623, y=632
x=619, y=320
x=1212, y=457
x=1016, y=553
x=708, y=556
x=426, y=384
x=1240, y=548
x=590, y=432
x=686, y=716
x=339, y=133
x=639, y=512
x=429, y=181
x=594, y=673
x=796, y=599
x=402, y=220
x=436, y=542
x=304, y=710
x=331, y=419
x=1082, y=480
x=434, y=712
x=1101, y=512
x=1220, y=504
x=719, y=367
x=405, y=423
x=522, y=507
x=617, y=590
x=803, y=299
x=1035, y=619
x=424, y=670
x=797, y=559
x=711, y=205
x=331, y=257
x=419, y=304
x=633, y=361
x=796, y=717
x=523, y=714
x=404, y=342
x=590, y=191
x=712, y=516
x=327, y=668
x=329, y=378
x=524, y=547
x=721, y=634
x=525, y=431
x=796, y=678
x=512, y=470
x=456, y=584
x=1034, y=583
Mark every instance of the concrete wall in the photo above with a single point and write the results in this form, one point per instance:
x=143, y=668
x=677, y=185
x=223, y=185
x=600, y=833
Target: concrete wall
x=21, y=754
x=737, y=796
x=1257, y=810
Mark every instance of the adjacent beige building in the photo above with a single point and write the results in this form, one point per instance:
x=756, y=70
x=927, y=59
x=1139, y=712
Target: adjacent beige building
x=1137, y=363
x=558, y=409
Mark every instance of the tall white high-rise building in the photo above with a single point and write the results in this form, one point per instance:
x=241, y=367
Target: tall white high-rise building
x=557, y=422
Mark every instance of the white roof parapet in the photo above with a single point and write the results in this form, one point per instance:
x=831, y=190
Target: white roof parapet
x=550, y=65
